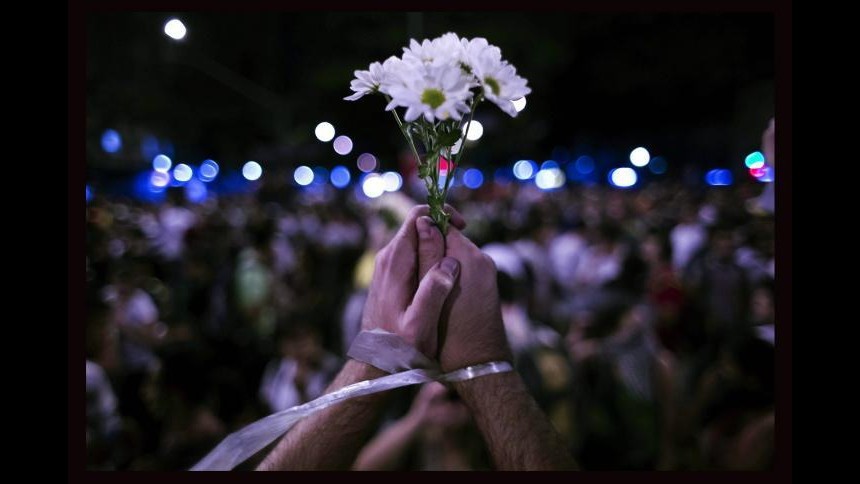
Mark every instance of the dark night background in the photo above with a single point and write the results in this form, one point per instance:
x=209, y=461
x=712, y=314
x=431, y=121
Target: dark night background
x=696, y=89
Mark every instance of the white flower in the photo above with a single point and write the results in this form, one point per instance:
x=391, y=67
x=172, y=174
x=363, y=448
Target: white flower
x=498, y=78
x=437, y=92
x=443, y=50
x=371, y=80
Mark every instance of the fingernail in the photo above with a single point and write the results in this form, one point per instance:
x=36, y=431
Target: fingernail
x=425, y=227
x=450, y=266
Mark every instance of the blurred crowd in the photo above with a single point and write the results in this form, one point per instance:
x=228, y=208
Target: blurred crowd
x=642, y=321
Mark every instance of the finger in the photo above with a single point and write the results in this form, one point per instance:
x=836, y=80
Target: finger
x=457, y=220
x=431, y=246
x=407, y=229
x=402, y=278
x=422, y=316
x=398, y=268
x=457, y=243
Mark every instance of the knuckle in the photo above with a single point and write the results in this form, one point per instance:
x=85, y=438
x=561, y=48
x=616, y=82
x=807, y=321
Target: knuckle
x=440, y=283
x=417, y=211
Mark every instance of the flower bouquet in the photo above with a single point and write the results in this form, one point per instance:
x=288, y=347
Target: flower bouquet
x=438, y=82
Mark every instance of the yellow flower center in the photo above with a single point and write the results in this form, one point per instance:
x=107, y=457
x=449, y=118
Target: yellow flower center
x=494, y=85
x=433, y=98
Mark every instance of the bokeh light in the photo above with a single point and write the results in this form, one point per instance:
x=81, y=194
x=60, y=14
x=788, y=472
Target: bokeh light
x=195, y=191
x=182, y=172
x=476, y=130
x=340, y=176
x=320, y=175
x=373, y=185
x=519, y=104
x=718, y=177
x=111, y=141
x=754, y=160
x=549, y=178
x=640, y=157
x=208, y=170
x=342, y=145
x=473, y=178
x=366, y=162
x=623, y=177
x=175, y=29
x=252, y=171
x=303, y=175
x=525, y=169
x=584, y=164
x=324, y=131
x=159, y=179
x=161, y=163
x=658, y=165
x=392, y=181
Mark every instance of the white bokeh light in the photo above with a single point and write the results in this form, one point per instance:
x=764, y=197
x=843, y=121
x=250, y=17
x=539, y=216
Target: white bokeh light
x=623, y=177
x=342, y=145
x=640, y=157
x=456, y=148
x=303, y=175
x=159, y=179
x=476, y=130
x=524, y=169
x=373, y=185
x=519, y=104
x=182, y=172
x=161, y=163
x=175, y=29
x=391, y=181
x=252, y=170
x=549, y=178
x=324, y=131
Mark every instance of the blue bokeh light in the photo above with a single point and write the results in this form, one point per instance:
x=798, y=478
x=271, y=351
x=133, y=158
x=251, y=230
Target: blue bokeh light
x=658, y=165
x=584, y=164
x=195, y=191
x=111, y=141
x=473, y=178
x=340, y=176
x=719, y=177
x=208, y=170
x=320, y=175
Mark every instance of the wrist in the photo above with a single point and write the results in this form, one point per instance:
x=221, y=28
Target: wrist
x=468, y=389
x=356, y=371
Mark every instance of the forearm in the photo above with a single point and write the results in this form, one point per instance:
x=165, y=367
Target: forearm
x=330, y=439
x=517, y=432
x=387, y=449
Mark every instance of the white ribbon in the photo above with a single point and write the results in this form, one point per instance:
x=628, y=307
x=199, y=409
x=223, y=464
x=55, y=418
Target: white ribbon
x=242, y=444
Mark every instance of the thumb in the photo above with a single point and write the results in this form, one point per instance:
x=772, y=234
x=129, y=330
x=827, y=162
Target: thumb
x=422, y=316
x=431, y=246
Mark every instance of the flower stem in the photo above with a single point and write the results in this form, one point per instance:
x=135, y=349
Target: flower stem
x=405, y=132
x=456, y=163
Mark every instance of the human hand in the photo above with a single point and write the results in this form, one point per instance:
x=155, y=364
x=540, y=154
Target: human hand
x=396, y=302
x=473, y=332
